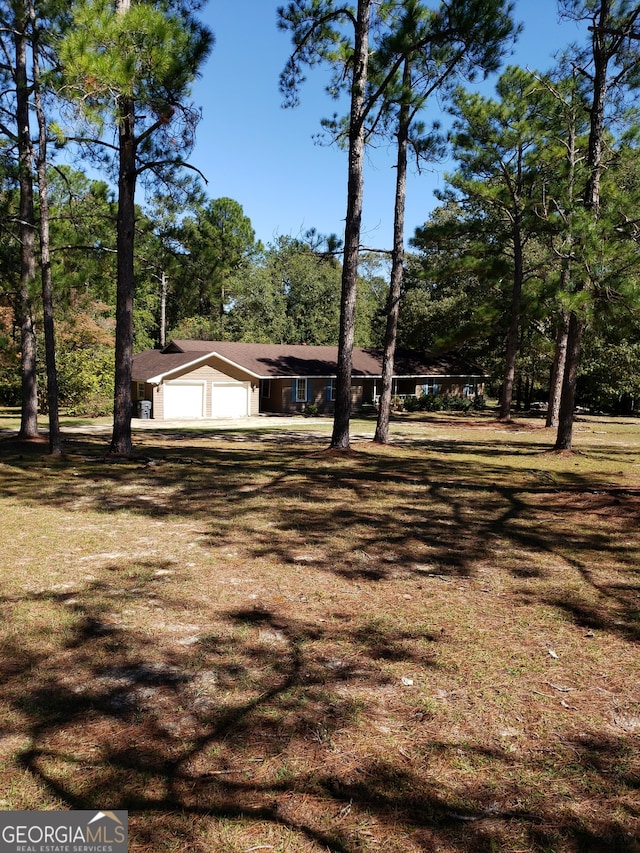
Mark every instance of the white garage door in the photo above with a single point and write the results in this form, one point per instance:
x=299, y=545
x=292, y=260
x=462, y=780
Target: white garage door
x=184, y=399
x=230, y=400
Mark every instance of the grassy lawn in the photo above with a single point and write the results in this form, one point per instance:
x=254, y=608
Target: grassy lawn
x=254, y=644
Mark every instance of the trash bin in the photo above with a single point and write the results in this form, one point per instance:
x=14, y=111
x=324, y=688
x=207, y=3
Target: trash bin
x=144, y=409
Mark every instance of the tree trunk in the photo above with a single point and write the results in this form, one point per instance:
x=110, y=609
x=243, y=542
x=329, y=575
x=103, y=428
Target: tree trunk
x=564, y=438
x=397, y=268
x=528, y=391
x=560, y=354
x=514, y=325
x=163, y=309
x=55, y=438
x=601, y=58
x=355, y=190
x=125, y=287
x=29, y=416
x=591, y=199
x=557, y=373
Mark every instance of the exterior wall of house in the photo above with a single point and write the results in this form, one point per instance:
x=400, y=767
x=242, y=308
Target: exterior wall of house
x=456, y=386
x=278, y=396
x=157, y=403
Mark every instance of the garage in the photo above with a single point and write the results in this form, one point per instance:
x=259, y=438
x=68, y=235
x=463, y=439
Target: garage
x=183, y=399
x=230, y=399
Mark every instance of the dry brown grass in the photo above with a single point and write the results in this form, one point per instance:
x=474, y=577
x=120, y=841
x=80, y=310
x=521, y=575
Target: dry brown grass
x=253, y=644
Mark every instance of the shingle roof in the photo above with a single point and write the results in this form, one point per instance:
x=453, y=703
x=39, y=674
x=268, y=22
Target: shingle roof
x=153, y=362
x=268, y=361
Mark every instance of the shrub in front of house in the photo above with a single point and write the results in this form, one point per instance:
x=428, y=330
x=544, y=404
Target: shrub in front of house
x=479, y=403
x=432, y=403
x=458, y=404
x=412, y=404
x=440, y=403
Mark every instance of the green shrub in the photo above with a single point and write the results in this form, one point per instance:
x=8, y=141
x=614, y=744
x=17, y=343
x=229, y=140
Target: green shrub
x=412, y=404
x=432, y=403
x=479, y=403
x=10, y=387
x=439, y=403
x=458, y=404
x=85, y=380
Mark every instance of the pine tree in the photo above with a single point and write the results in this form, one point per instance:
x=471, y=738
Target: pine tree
x=128, y=73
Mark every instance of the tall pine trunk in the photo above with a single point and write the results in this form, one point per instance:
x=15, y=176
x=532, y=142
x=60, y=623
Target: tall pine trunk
x=557, y=373
x=163, y=309
x=564, y=439
x=55, y=438
x=560, y=354
x=591, y=199
x=29, y=415
x=397, y=267
x=514, y=323
x=121, y=444
x=355, y=191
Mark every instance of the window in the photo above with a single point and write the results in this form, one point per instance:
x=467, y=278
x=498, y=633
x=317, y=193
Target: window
x=265, y=389
x=140, y=390
x=470, y=389
x=332, y=390
x=299, y=390
x=430, y=387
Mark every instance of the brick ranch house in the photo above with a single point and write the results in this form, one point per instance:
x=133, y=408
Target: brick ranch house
x=220, y=379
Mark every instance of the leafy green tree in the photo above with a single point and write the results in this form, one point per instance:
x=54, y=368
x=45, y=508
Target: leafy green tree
x=217, y=240
x=10, y=372
x=129, y=73
x=560, y=160
x=290, y=293
x=318, y=29
x=496, y=144
x=454, y=297
x=611, y=64
x=435, y=47
x=258, y=313
x=454, y=300
x=291, y=296
x=161, y=257
x=83, y=251
x=606, y=378
x=609, y=378
x=371, y=300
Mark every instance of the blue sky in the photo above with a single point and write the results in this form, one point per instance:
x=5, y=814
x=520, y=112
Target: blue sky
x=263, y=156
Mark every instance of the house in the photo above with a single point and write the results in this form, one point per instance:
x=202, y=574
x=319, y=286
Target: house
x=221, y=379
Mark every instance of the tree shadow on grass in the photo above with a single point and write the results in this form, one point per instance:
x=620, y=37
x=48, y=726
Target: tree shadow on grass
x=267, y=723
x=370, y=517
x=269, y=726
